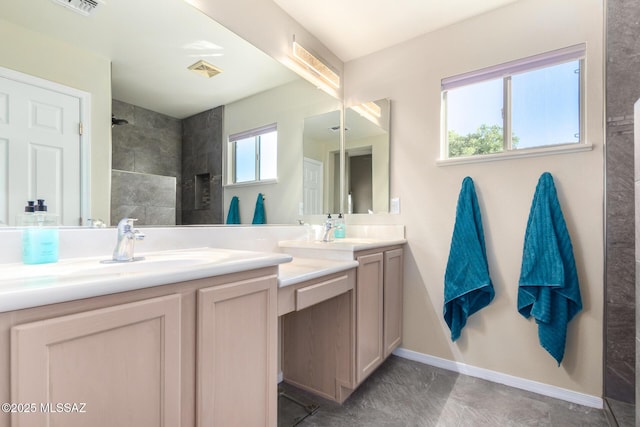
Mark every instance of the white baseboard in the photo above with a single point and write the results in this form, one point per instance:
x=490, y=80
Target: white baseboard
x=280, y=377
x=498, y=377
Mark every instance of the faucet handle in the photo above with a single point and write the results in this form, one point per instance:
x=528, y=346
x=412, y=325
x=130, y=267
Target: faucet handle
x=126, y=222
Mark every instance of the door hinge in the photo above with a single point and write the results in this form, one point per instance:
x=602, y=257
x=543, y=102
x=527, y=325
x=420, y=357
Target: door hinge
x=80, y=128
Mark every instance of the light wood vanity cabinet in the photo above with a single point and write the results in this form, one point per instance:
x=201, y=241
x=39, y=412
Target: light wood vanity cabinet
x=236, y=354
x=369, y=314
x=120, y=366
x=379, y=294
x=318, y=334
x=393, y=299
x=331, y=347
x=197, y=353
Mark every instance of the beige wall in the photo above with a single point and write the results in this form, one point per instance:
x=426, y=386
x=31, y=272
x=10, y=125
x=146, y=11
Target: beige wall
x=30, y=53
x=496, y=338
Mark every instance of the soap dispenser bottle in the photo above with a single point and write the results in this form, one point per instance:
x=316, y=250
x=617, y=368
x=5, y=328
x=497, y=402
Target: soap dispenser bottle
x=339, y=230
x=39, y=234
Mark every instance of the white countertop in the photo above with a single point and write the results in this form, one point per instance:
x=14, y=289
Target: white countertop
x=350, y=244
x=24, y=286
x=337, y=249
x=303, y=269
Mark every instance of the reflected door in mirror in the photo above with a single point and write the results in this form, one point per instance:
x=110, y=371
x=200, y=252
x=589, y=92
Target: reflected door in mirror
x=39, y=151
x=312, y=186
x=360, y=183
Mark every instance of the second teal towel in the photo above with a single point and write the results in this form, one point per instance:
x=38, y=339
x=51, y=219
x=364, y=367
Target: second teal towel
x=233, y=217
x=259, y=215
x=548, y=287
x=467, y=285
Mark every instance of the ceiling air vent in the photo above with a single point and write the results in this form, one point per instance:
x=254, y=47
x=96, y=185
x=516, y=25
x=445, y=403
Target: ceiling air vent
x=84, y=7
x=205, y=69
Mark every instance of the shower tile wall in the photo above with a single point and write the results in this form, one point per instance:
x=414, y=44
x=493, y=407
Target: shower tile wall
x=146, y=166
x=623, y=89
x=202, y=168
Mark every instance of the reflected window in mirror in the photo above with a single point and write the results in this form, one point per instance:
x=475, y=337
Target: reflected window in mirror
x=255, y=154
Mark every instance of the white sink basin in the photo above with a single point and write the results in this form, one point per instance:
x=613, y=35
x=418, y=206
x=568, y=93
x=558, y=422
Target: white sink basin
x=337, y=249
x=150, y=263
x=349, y=241
x=23, y=286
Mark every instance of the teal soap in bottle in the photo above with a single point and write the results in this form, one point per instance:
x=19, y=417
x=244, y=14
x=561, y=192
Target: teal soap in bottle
x=39, y=234
x=340, y=229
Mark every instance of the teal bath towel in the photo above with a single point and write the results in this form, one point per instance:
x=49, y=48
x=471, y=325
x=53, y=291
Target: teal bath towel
x=258, y=214
x=548, y=287
x=467, y=285
x=233, y=217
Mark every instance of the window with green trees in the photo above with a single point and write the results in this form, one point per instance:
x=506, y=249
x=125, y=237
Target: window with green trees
x=530, y=103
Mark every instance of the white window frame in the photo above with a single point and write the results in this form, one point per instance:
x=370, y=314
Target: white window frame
x=505, y=71
x=233, y=138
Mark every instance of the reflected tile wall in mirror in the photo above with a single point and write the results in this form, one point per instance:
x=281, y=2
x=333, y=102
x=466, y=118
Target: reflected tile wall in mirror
x=146, y=166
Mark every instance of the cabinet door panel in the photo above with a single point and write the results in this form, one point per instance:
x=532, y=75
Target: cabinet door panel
x=236, y=354
x=121, y=365
x=393, y=295
x=369, y=308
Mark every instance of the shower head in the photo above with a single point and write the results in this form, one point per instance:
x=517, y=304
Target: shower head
x=118, y=122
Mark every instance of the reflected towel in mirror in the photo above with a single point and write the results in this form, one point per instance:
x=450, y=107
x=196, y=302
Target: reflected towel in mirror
x=233, y=217
x=259, y=215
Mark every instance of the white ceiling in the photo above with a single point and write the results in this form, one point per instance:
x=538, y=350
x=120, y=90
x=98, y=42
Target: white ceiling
x=354, y=28
x=150, y=49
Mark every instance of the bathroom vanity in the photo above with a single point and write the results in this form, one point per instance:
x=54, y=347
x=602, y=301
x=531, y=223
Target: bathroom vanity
x=166, y=354
x=190, y=337
x=331, y=347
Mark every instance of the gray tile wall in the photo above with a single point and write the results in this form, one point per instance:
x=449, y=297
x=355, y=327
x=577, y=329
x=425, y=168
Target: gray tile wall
x=623, y=89
x=149, y=198
x=146, y=166
x=202, y=155
x=636, y=156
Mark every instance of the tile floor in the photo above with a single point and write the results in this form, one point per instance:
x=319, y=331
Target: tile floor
x=404, y=393
x=624, y=413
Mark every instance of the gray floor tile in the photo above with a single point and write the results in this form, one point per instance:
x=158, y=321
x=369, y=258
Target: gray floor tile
x=404, y=393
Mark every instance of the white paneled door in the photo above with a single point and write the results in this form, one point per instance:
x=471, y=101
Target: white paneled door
x=39, y=151
x=312, y=186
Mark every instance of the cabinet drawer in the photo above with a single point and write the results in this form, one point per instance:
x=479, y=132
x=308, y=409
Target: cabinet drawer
x=310, y=295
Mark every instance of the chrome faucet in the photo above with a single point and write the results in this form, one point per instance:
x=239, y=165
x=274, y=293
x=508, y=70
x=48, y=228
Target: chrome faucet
x=127, y=236
x=328, y=226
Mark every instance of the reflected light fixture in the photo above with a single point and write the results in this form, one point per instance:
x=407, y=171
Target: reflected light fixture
x=315, y=65
x=205, y=69
x=369, y=110
x=372, y=108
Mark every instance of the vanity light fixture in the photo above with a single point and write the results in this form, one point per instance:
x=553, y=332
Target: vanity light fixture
x=83, y=7
x=315, y=65
x=205, y=69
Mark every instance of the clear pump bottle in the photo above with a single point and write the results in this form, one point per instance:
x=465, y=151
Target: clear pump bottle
x=39, y=234
x=339, y=231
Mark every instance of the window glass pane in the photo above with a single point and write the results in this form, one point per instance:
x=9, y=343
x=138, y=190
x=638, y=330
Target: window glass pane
x=245, y=166
x=268, y=155
x=546, y=106
x=474, y=119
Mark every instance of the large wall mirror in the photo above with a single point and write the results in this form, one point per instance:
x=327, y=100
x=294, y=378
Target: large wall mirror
x=365, y=156
x=158, y=130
